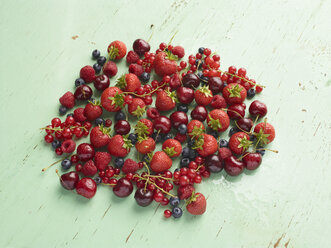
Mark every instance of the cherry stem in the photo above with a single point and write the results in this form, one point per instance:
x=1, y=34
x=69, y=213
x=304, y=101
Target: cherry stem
x=58, y=161
x=240, y=128
x=150, y=37
x=257, y=117
x=146, y=94
x=261, y=149
x=172, y=37
x=232, y=111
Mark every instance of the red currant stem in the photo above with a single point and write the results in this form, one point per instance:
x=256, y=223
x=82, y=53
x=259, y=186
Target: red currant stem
x=165, y=192
x=58, y=161
x=241, y=157
x=127, y=114
x=60, y=129
x=232, y=111
x=146, y=94
x=150, y=37
x=148, y=171
x=242, y=78
x=109, y=184
x=165, y=178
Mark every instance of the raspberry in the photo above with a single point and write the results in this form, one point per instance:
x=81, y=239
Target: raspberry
x=179, y=51
x=110, y=69
x=79, y=115
x=185, y=192
x=89, y=168
x=218, y=102
x=136, y=69
x=130, y=166
x=153, y=113
x=180, y=137
x=68, y=100
x=68, y=146
x=132, y=57
x=101, y=160
x=87, y=73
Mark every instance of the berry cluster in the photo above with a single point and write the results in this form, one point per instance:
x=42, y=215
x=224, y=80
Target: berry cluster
x=219, y=102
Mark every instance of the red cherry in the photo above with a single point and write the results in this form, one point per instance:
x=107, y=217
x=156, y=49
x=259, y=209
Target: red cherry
x=163, y=124
x=69, y=180
x=143, y=197
x=191, y=80
x=252, y=160
x=258, y=108
x=83, y=92
x=245, y=124
x=185, y=95
x=233, y=166
x=178, y=118
x=141, y=47
x=85, y=152
x=199, y=113
x=101, y=82
x=213, y=163
x=122, y=127
x=123, y=188
x=86, y=187
x=215, y=85
x=236, y=112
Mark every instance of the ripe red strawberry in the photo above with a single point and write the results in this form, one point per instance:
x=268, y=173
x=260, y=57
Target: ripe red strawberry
x=203, y=96
x=197, y=204
x=130, y=166
x=112, y=99
x=165, y=100
x=160, y=162
x=99, y=136
x=89, y=169
x=67, y=100
x=179, y=51
x=110, y=69
x=218, y=120
x=79, y=115
x=116, y=50
x=128, y=82
x=234, y=93
x=163, y=65
x=144, y=127
x=145, y=146
x=172, y=148
x=239, y=142
x=92, y=111
x=218, y=102
x=265, y=133
x=137, y=107
x=185, y=192
x=136, y=69
x=195, y=128
x=224, y=152
x=132, y=57
x=206, y=145
x=102, y=159
x=87, y=73
x=119, y=146
x=181, y=137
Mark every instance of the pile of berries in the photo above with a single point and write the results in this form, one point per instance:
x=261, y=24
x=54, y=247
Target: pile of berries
x=216, y=98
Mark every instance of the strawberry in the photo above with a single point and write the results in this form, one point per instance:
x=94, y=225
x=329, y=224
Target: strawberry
x=132, y=57
x=110, y=69
x=165, y=100
x=119, y=146
x=93, y=110
x=265, y=133
x=67, y=100
x=195, y=128
x=99, y=136
x=197, y=204
x=164, y=64
x=224, y=152
x=185, y=192
x=218, y=120
x=218, y=102
x=205, y=145
x=101, y=160
x=137, y=107
x=79, y=115
x=136, y=69
x=144, y=127
x=239, y=142
x=130, y=166
x=203, y=96
x=116, y=50
x=112, y=99
x=145, y=146
x=89, y=169
x=128, y=82
x=234, y=93
x=87, y=73
x=172, y=148
x=160, y=162
x=178, y=51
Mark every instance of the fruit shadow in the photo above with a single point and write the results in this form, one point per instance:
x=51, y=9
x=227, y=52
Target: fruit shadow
x=232, y=179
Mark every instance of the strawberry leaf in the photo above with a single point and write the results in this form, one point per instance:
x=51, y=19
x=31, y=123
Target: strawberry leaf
x=244, y=143
x=170, y=151
x=141, y=129
x=199, y=142
x=235, y=91
x=127, y=143
x=196, y=132
x=117, y=100
x=206, y=91
x=214, y=123
x=139, y=111
x=172, y=95
x=120, y=82
x=262, y=137
x=113, y=52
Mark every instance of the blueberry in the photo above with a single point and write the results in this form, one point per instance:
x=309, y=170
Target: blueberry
x=233, y=130
x=197, y=62
x=190, y=143
x=66, y=164
x=98, y=180
x=156, y=137
x=98, y=121
x=214, y=133
x=262, y=152
x=63, y=110
x=174, y=201
x=101, y=60
x=186, y=152
x=205, y=79
x=56, y=144
x=200, y=66
x=192, y=154
x=120, y=116
x=133, y=138
x=200, y=74
x=97, y=68
x=71, y=114
x=252, y=137
x=95, y=54
x=182, y=129
x=182, y=108
x=224, y=143
x=119, y=162
x=184, y=162
x=177, y=212
x=144, y=77
x=201, y=49
x=225, y=84
x=250, y=93
x=167, y=136
x=79, y=82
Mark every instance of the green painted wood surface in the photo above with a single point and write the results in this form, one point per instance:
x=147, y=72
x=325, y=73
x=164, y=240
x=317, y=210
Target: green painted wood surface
x=284, y=44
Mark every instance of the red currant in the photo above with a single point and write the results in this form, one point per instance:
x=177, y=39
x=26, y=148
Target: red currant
x=232, y=69
x=49, y=138
x=58, y=151
x=56, y=122
x=258, y=89
x=163, y=46
x=207, y=51
x=167, y=213
x=74, y=159
x=78, y=167
x=216, y=57
x=184, y=180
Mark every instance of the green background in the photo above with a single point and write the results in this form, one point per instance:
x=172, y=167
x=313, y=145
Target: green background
x=285, y=45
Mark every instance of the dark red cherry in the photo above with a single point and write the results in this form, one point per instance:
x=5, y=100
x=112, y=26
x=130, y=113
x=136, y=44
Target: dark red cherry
x=143, y=197
x=185, y=95
x=252, y=160
x=191, y=80
x=123, y=188
x=178, y=118
x=85, y=152
x=141, y=46
x=199, y=113
x=215, y=85
x=245, y=124
x=101, y=82
x=213, y=163
x=233, y=166
x=258, y=108
x=236, y=112
x=122, y=127
x=69, y=180
x=163, y=124
x=83, y=92
x=86, y=187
